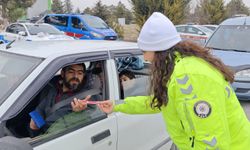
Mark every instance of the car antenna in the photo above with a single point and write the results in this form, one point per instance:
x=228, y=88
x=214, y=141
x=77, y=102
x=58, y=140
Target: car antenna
x=8, y=45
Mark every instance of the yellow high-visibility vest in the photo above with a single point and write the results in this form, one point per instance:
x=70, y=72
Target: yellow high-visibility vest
x=203, y=112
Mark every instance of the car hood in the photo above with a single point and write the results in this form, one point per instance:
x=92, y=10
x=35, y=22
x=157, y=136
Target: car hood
x=236, y=60
x=48, y=37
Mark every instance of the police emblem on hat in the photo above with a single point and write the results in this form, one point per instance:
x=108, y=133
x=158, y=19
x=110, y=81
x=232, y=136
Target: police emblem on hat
x=202, y=109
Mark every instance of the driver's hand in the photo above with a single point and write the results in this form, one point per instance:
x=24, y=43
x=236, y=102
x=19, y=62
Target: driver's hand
x=33, y=125
x=79, y=105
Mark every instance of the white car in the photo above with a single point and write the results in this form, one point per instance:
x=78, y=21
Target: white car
x=33, y=32
x=195, y=33
x=27, y=67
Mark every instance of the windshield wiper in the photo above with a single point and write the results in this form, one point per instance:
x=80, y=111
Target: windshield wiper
x=224, y=49
x=9, y=44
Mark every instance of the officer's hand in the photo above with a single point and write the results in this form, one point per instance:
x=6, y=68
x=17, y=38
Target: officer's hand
x=79, y=105
x=106, y=106
x=33, y=125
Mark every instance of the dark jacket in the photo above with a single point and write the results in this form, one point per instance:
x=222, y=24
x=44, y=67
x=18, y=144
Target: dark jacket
x=48, y=98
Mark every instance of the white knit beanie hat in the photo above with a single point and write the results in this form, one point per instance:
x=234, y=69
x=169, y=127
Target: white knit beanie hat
x=158, y=34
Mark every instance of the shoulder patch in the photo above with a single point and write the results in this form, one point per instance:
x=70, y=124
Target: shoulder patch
x=202, y=109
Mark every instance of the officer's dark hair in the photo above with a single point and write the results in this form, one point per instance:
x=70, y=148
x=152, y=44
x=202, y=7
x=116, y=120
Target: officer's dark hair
x=69, y=66
x=163, y=66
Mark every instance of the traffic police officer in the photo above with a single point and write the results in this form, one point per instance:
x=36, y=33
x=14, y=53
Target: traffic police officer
x=191, y=88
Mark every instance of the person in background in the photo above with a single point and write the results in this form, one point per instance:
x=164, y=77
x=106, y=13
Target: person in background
x=191, y=88
x=124, y=76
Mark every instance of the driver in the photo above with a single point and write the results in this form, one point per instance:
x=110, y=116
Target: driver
x=71, y=81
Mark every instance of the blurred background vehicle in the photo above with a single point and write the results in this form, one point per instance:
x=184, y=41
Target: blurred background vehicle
x=2, y=40
x=212, y=27
x=33, y=32
x=195, y=33
x=230, y=42
x=82, y=26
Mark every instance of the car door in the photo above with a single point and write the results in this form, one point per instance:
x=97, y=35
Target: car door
x=136, y=132
x=91, y=130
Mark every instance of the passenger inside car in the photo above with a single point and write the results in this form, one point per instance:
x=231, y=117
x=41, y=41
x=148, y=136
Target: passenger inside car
x=124, y=76
x=133, y=75
x=62, y=96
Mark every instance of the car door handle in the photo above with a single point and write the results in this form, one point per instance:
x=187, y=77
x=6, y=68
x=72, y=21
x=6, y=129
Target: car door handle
x=100, y=136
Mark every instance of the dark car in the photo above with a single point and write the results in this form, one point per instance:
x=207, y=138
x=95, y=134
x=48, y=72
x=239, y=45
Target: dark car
x=230, y=42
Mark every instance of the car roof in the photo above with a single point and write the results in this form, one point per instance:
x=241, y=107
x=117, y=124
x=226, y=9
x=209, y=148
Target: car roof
x=210, y=25
x=237, y=21
x=192, y=25
x=44, y=49
x=28, y=23
x=68, y=15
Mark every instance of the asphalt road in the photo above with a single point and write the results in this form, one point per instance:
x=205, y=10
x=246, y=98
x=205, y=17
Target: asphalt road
x=246, y=106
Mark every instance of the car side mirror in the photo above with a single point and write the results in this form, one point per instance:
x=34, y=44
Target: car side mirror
x=10, y=142
x=22, y=33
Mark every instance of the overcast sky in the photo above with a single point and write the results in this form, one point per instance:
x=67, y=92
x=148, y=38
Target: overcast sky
x=82, y=4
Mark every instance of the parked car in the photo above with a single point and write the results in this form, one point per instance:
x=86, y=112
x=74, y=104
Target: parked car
x=195, y=33
x=27, y=67
x=230, y=42
x=2, y=40
x=211, y=26
x=33, y=32
x=82, y=26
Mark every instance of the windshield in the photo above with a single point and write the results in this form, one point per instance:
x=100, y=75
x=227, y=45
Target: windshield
x=95, y=22
x=35, y=29
x=13, y=70
x=231, y=37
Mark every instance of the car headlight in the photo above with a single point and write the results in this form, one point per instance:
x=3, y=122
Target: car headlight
x=97, y=35
x=243, y=75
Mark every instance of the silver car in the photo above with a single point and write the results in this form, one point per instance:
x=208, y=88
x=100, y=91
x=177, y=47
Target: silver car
x=27, y=67
x=195, y=33
x=33, y=32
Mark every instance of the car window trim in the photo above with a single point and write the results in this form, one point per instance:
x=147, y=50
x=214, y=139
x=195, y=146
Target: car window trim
x=30, y=92
x=125, y=52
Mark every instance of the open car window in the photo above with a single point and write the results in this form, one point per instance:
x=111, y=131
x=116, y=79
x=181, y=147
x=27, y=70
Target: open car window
x=62, y=120
x=133, y=74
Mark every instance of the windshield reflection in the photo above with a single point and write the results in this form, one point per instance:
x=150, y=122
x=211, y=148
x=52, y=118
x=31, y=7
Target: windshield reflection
x=231, y=37
x=95, y=22
x=13, y=70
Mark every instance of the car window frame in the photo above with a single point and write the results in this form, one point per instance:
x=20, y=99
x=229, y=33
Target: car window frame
x=11, y=26
x=58, y=16
x=80, y=21
x=32, y=91
x=181, y=27
x=197, y=29
x=22, y=28
x=119, y=54
x=49, y=72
